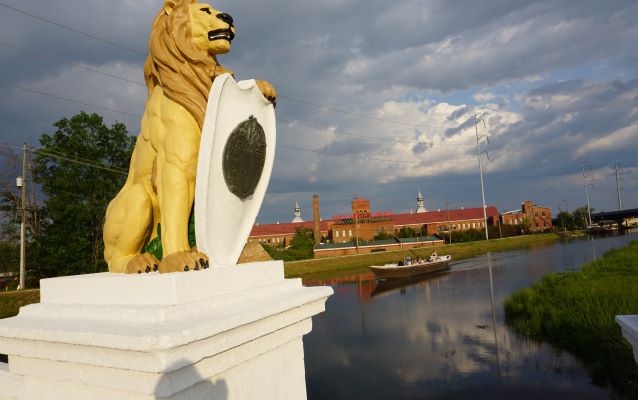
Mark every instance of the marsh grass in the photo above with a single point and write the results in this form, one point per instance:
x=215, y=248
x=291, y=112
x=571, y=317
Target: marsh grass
x=10, y=302
x=575, y=311
x=347, y=265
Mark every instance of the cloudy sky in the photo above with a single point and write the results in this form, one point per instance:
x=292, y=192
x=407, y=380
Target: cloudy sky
x=377, y=98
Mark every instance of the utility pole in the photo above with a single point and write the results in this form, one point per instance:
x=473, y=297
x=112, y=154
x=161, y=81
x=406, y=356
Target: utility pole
x=498, y=214
x=586, y=185
x=449, y=227
x=478, y=155
x=23, y=210
x=618, y=187
x=566, y=202
x=562, y=220
x=356, y=223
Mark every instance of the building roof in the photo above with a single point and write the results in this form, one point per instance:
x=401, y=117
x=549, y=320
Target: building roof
x=519, y=211
x=288, y=228
x=397, y=219
x=442, y=216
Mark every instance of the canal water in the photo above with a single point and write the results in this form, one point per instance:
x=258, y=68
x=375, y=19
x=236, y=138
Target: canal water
x=445, y=337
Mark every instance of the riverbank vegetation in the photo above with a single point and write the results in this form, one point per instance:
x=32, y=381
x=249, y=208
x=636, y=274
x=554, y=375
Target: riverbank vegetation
x=575, y=311
x=10, y=302
x=346, y=265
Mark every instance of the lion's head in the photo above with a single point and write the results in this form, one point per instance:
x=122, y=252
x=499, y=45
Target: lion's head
x=185, y=39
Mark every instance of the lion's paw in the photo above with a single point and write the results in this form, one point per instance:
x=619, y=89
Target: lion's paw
x=142, y=263
x=191, y=260
x=268, y=91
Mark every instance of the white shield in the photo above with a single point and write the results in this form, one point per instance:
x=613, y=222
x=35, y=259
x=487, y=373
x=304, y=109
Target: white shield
x=224, y=215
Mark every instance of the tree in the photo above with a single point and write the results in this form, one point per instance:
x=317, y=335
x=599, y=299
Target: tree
x=407, y=232
x=80, y=168
x=303, y=243
x=301, y=247
x=581, y=217
x=383, y=235
x=565, y=221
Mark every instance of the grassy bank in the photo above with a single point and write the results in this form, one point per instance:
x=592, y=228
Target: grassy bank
x=575, y=311
x=10, y=302
x=346, y=265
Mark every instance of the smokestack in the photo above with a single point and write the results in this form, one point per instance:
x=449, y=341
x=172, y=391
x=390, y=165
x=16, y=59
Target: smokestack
x=315, y=210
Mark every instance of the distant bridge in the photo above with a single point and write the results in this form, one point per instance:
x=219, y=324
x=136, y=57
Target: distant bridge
x=618, y=216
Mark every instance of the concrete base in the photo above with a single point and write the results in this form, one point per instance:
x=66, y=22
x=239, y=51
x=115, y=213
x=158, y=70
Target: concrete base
x=233, y=333
x=629, y=326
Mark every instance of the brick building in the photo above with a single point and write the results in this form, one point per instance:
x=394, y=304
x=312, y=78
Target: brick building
x=433, y=222
x=538, y=217
x=282, y=234
x=342, y=230
x=361, y=223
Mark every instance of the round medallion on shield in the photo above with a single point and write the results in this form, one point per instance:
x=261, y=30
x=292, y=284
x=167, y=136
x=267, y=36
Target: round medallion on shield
x=244, y=158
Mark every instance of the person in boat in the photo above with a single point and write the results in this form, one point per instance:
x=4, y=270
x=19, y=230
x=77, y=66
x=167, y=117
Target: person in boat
x=433, y=256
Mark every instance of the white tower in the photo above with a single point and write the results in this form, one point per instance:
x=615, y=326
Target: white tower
x=297, y=217
x=420, y=203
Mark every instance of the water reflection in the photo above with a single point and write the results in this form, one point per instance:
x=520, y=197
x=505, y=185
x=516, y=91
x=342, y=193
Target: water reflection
x=444, y=336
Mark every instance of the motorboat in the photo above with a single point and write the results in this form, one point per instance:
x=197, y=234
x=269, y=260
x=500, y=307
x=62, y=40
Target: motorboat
x=409, y=267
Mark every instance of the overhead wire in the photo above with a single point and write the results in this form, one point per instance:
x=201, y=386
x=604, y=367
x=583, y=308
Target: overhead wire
x=69, y=100
x=341, y=131
x=333, y=109
x=79, y=32
x=139, y=116
x=144, y=4
x=361, y=136
x=44, y=152
x=368, y=158
x=48, y=150
x=281, y=96
x=365, y=116
x=72, y=64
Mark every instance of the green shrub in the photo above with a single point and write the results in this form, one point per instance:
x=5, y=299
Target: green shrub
x=575, y=311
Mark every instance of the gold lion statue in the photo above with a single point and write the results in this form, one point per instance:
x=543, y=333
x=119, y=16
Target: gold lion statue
x=186, y=38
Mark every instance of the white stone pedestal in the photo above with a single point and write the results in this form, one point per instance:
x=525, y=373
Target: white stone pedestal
x=231, y=333
x=629, y=326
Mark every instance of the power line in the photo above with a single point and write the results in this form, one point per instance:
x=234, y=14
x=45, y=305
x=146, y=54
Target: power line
x=141, y=3
x=45, y=153
x=69, y=100
x=366, y=158
x=365, y=116
x=139, y=116
x=86, y=160
x=333, y=109
x=358, y=135
x=59, y=60
x=59, y=25
x=347, y=155
x=343, y=132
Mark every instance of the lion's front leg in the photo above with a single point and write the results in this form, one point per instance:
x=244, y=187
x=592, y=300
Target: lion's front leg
x=177, y=168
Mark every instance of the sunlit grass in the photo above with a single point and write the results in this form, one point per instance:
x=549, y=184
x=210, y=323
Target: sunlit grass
x=347, y=265
x=575, y=311
x=10, y=302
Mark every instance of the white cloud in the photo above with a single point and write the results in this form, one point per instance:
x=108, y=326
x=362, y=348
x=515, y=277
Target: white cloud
x=483, y=97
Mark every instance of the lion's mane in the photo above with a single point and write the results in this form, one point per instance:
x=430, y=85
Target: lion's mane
x=184, y=72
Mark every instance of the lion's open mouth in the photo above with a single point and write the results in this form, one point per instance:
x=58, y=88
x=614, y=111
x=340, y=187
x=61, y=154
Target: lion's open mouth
x=219, y=34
